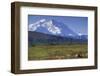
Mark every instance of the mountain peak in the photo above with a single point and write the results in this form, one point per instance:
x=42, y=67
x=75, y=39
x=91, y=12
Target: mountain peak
x=51, y=26
x=47, y=24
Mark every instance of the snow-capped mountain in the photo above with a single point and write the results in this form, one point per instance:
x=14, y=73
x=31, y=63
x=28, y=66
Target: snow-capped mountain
x=52, y=27
x=44, y=26
x=53, y=32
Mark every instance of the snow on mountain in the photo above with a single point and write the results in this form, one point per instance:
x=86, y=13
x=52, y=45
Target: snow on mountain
x=52, y=27
x=45, y=24
x=34, y=26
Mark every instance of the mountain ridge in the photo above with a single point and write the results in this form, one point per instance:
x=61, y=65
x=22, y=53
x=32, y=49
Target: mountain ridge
x=51, y=27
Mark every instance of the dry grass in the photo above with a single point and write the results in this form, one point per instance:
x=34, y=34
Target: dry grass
x=48, y=52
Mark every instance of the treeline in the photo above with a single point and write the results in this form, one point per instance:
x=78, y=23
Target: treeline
x=57, y=41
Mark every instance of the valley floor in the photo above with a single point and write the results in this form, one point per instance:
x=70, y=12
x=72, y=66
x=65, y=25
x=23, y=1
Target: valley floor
x=50, y=52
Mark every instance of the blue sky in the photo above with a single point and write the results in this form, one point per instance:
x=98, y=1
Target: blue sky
x=77, y=24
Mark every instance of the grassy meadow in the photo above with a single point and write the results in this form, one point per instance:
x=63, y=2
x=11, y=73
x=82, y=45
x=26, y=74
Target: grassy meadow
x=50, y=52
